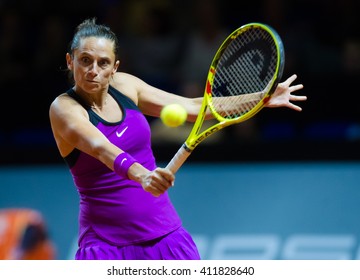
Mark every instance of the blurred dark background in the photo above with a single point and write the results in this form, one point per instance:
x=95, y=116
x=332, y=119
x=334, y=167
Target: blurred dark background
x=170, y=44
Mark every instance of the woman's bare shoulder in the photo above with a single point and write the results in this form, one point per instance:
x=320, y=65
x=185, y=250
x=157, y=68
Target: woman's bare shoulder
x=61, y=100
x=121, y=78
x=128, y=84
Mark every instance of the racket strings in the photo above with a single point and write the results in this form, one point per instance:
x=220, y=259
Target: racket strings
x=245, y=69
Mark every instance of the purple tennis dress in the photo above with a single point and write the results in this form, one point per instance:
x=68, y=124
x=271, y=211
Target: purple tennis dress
x=118, y=219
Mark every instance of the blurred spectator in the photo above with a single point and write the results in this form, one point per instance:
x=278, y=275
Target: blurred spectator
x=207, y=32
x=351, y=57
x=204, y=33
x=152, y=42
x=23, y=236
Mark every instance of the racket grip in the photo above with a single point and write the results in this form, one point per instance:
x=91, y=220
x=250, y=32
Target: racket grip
x=178, y=159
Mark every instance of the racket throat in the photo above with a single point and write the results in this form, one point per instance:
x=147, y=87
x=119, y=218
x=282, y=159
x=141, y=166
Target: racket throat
x=187, y=148
x=205, y=134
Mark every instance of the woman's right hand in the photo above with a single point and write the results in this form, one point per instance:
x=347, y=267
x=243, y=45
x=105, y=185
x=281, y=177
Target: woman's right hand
x=157, y=181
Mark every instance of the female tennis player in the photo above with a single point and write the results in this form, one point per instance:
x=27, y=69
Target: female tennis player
x=101, y=132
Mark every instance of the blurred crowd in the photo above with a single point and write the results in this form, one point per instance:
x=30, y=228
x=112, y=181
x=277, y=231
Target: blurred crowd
x=170, y=44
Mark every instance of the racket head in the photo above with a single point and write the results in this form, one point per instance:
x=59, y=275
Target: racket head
x=250, y=60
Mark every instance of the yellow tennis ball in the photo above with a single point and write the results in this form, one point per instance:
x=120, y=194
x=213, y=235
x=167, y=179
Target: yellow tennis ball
x=173, y=115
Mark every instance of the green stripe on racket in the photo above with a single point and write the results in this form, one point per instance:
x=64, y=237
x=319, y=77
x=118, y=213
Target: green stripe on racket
x=243, y=75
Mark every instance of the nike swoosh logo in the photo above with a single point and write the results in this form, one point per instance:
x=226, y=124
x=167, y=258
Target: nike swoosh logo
x=121, y=163
x=119, y=134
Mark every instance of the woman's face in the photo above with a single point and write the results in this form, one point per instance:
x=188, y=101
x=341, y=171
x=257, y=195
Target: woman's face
x=93, y=64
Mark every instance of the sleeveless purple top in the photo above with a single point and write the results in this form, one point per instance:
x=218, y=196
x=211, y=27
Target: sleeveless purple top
x=116, y=208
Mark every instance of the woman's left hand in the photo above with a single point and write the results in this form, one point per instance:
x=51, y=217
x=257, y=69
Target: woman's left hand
x=283, y=96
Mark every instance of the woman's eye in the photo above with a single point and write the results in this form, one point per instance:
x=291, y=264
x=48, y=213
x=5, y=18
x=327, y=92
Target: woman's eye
x=85, y=60
x=103, y=63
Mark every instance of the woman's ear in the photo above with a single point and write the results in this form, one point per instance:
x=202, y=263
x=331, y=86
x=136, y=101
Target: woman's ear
x=69, y=62
x=116, y=66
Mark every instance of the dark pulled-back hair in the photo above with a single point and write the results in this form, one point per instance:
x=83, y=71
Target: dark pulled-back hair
x=89, y=28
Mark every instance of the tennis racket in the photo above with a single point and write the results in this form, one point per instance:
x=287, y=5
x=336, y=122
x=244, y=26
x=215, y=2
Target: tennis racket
x=242, y=76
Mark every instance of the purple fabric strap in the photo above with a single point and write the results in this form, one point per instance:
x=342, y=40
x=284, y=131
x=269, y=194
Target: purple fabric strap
x=122, y=164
